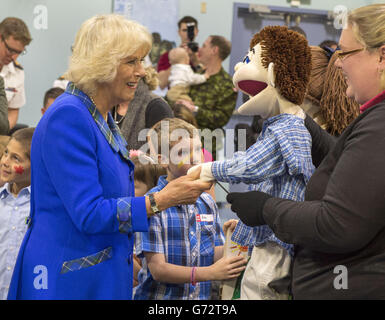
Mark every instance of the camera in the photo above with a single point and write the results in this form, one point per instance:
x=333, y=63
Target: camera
x=190, y=34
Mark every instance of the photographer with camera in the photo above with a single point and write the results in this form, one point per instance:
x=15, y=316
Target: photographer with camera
x=214, y=100
x=187, y=31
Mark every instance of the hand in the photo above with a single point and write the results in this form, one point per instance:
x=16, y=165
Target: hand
x=229, y=225
x=137, y=267
x=183, y=190
x=189, y=104
x=205, y=171
x=228, y=268
x=249, y=206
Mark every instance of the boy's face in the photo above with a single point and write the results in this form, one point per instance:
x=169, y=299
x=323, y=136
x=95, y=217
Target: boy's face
x=186, y=153
x=15, y=165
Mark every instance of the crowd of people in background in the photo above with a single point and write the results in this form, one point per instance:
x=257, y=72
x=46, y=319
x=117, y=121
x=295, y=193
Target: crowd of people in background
x=108, y=221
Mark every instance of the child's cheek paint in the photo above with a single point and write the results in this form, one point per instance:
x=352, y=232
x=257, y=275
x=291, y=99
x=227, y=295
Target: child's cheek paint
x=18, y=169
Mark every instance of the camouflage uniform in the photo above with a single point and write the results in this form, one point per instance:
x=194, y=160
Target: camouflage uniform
x=216, y=100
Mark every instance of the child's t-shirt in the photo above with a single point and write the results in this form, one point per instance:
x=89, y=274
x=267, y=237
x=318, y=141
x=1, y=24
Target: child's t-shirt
x=13, y=214
x=187, y=236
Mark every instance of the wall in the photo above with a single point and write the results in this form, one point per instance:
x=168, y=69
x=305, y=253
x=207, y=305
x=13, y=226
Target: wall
x=47, y=56
x=219, y=16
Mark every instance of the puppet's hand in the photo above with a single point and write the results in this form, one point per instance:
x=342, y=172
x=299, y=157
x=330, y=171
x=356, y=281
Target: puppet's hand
x=206, y=174
x=249, y=206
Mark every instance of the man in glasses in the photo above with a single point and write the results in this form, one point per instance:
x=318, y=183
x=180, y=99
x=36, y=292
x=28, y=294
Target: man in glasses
x=14, y=37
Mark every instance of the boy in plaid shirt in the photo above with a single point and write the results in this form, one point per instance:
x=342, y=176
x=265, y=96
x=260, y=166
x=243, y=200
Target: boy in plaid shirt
x=182, y=252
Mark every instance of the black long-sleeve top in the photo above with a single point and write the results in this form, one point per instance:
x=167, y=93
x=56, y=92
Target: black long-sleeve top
x=342, y=220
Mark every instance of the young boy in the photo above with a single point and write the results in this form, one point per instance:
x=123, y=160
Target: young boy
x=182, y=251
x=49, y=98
x=14, y=202
x=182, y=76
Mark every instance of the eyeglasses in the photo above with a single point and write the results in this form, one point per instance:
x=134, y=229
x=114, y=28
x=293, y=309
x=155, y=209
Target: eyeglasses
x=11, y=50
x=343, y=54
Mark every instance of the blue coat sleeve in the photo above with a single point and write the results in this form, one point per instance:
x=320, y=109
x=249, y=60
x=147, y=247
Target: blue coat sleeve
x=69, y=155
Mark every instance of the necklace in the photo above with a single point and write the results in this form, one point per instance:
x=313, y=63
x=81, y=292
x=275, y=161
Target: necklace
x=117, y=117
x=93, y=101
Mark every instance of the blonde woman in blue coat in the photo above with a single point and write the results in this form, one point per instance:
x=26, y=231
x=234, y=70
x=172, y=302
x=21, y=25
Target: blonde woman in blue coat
x=83, y=211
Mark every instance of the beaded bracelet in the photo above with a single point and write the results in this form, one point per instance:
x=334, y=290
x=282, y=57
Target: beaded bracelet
x=193, y=282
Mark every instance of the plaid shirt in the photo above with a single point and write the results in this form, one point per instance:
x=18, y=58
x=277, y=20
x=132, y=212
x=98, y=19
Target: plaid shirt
x=177, y=233
x=117, y=142
x=279, y=163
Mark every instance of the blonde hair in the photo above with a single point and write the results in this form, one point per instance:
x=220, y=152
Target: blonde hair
x=101, y=43
x=166, y=127
x=151, y=78
x=177, y=55
x=369, y=28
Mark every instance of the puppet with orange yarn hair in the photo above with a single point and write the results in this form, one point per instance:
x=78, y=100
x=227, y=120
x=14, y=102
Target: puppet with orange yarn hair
x=275, y=74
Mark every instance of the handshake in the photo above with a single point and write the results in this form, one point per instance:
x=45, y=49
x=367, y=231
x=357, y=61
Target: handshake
x=247, y=205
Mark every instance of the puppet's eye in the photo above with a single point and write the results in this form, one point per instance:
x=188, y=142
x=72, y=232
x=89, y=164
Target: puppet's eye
x=246, y=60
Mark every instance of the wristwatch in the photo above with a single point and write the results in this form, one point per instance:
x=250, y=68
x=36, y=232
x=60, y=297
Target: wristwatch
x=153, y=205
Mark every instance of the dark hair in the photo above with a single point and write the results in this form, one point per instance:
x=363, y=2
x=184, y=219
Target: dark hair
x=299, y=30
x=52, y=93
x=16, y=28
x=188, y=19
x=328, y=43
x=24, y=137
x=147, y=173
x=223, y=45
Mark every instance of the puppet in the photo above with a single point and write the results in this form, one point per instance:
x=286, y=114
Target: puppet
x=275, y=75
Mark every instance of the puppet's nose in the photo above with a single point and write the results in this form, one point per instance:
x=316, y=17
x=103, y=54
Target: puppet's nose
x=237, y=66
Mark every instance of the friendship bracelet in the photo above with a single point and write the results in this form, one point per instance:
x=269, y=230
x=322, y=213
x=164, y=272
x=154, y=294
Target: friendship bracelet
x=193, y=282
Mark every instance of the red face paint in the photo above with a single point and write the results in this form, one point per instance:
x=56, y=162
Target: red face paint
x=18, y=169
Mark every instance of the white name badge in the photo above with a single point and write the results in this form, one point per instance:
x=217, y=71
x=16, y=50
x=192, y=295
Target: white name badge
x=205, y=218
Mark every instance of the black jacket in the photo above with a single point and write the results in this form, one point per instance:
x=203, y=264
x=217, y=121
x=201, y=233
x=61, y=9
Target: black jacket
x=339, y=230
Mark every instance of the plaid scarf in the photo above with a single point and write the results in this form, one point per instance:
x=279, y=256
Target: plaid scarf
x=109, y=129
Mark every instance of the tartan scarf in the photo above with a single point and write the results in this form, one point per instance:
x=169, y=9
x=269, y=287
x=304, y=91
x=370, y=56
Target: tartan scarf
x=109, y=129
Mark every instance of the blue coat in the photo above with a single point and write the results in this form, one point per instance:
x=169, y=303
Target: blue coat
x=77, y=178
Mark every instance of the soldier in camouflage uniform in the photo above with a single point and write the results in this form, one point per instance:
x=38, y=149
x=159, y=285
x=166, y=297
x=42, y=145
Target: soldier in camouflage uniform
x=215, y=99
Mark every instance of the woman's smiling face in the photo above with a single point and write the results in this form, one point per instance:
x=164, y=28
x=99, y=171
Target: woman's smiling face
x=130, y=71
x=360, y=68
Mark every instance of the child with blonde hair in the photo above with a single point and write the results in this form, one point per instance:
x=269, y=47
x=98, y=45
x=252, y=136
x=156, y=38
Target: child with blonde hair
x=182, y=76
x=182, y=252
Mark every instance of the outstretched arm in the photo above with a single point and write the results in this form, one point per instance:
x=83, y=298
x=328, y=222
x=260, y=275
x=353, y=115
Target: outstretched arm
x=223, y=269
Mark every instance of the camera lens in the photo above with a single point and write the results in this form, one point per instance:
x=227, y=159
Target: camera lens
x=193, y=46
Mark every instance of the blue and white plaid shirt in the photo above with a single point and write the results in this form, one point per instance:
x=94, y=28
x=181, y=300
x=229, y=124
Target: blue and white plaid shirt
x=279, y=163
x=13, y=226
x=177, y=233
